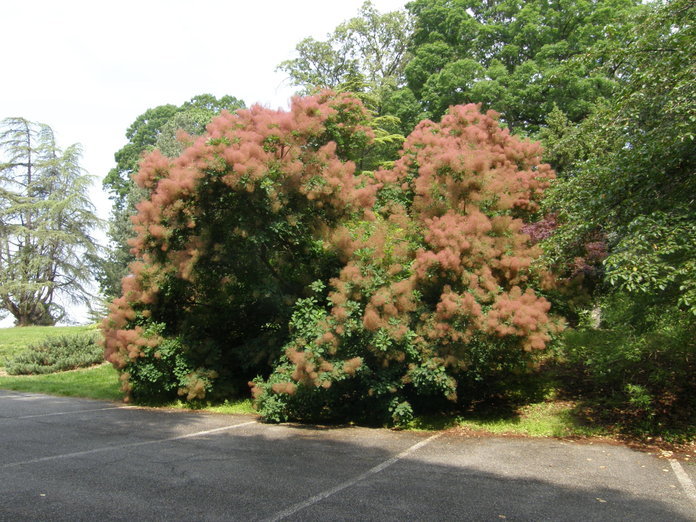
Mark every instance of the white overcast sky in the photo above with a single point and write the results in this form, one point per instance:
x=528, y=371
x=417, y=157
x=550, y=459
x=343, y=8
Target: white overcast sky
x=89, y=68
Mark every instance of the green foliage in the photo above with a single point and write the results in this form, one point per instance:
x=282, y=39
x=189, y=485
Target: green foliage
x=638, y=370
x=46, y=222
x=355, y=389
x=513, y=57
x=170, y=140
x=163, y=371
x=657, y=257
x=626, y=189
x=562, y=146
x=633, y=184
x=403, y=104
x=55, y=354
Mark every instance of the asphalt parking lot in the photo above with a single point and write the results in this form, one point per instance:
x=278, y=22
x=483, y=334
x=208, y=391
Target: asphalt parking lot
x=75, y=459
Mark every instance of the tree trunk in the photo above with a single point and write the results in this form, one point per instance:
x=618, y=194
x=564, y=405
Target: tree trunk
x=37, y=316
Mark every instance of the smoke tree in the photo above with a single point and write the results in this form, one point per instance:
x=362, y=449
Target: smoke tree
x=262, y=254
x=229, y=239
x=436, y=297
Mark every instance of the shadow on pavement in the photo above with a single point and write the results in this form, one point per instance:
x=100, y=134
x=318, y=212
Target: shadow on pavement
x=124, y=463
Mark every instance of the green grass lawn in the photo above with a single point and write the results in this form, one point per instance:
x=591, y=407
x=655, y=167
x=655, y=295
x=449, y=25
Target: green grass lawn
x=15, y=340
x=543, y=419
x=98, y=382
x=550, y=418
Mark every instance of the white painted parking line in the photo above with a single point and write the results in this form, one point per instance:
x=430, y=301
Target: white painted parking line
x=30, y=397
x=684, y=480
x=123, y=446
x=67, y=412
x=348, y=483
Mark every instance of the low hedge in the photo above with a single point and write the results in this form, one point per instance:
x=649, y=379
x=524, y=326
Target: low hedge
x=56, y=354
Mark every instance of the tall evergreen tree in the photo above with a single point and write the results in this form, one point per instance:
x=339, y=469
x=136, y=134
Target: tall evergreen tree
x=46, y=222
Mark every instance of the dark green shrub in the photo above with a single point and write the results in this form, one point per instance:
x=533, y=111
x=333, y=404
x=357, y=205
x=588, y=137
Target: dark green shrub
x=639, y=369
x=56, y=354
x=357, y=387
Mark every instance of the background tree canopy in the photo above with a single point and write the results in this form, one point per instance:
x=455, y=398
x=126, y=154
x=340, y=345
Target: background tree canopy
x=512, y=56
x=628, y=191
x=161, y=123
x=365, y=55
x=634, y=183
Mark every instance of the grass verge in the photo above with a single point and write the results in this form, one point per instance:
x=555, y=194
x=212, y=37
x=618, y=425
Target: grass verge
x=97, y=382
x=543, y=419
x=239, y=407
x=14, y=341
x=552, y=418
x=101, y=382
